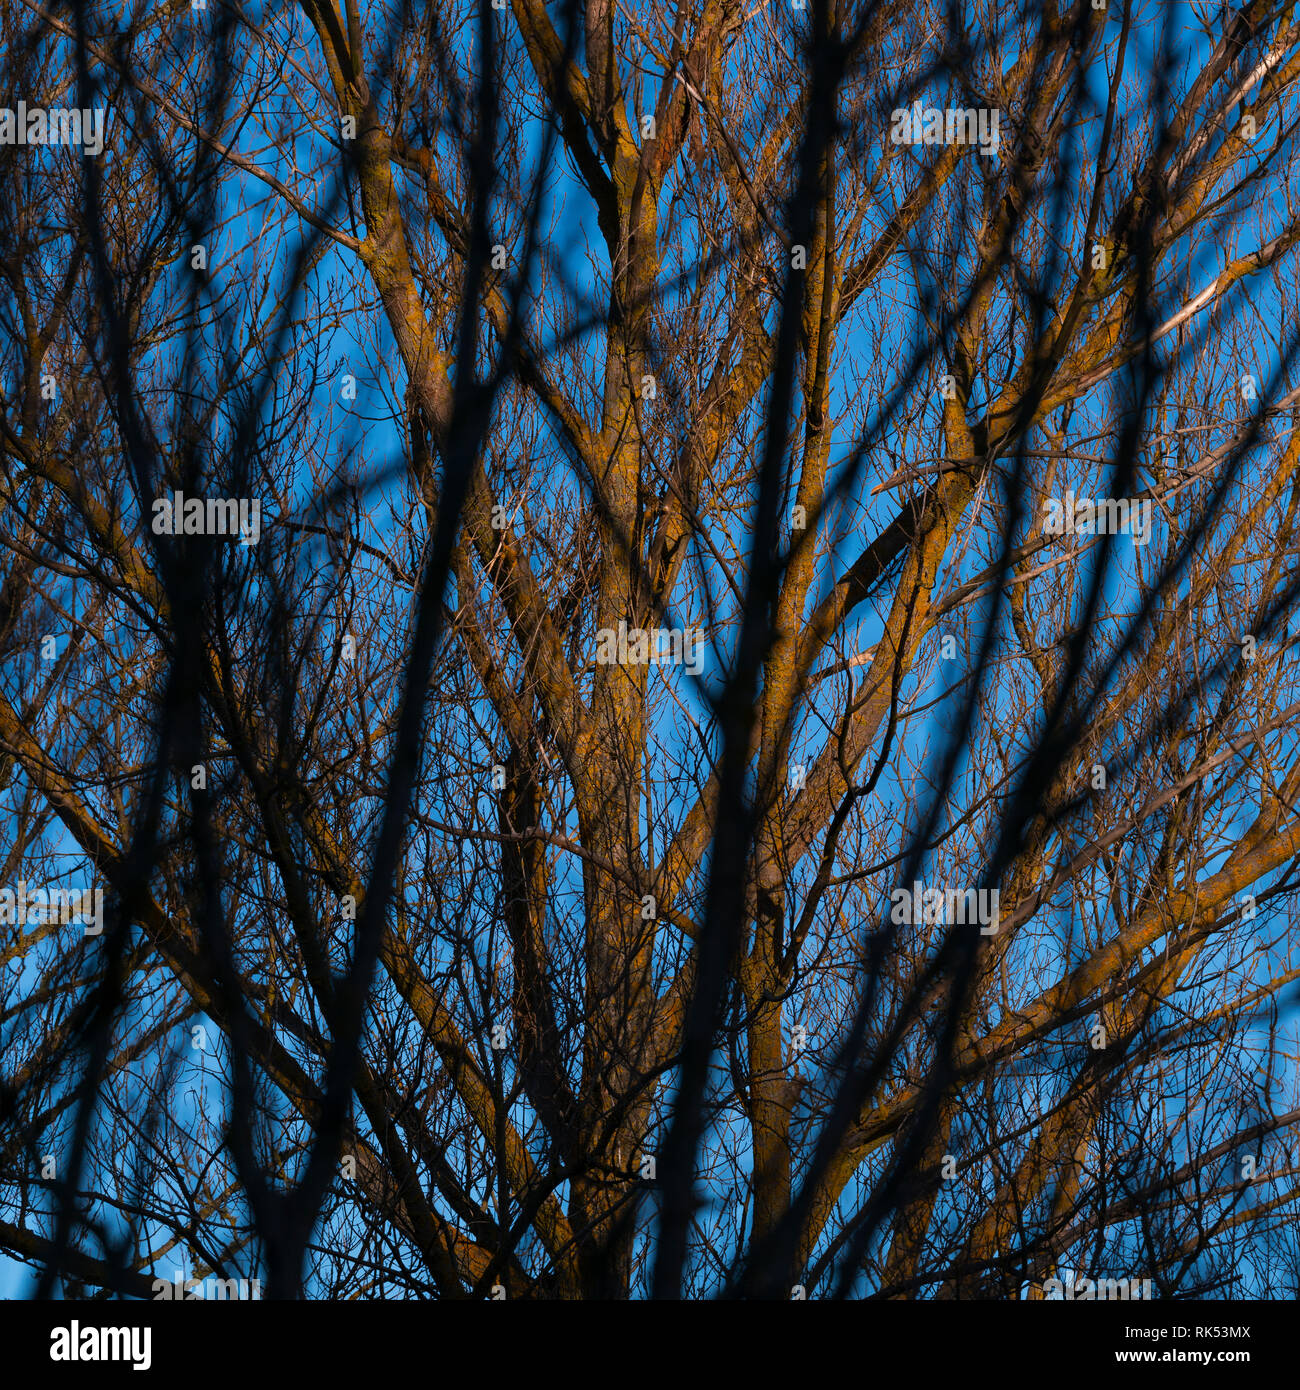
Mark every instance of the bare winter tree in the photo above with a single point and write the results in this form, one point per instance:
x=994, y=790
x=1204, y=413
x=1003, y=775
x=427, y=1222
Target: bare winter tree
x=650, y=653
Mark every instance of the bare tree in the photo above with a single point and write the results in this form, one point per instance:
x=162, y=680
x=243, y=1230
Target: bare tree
x=670, y=639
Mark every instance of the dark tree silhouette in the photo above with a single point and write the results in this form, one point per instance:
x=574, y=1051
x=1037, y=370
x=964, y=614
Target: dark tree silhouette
x=669, y=637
